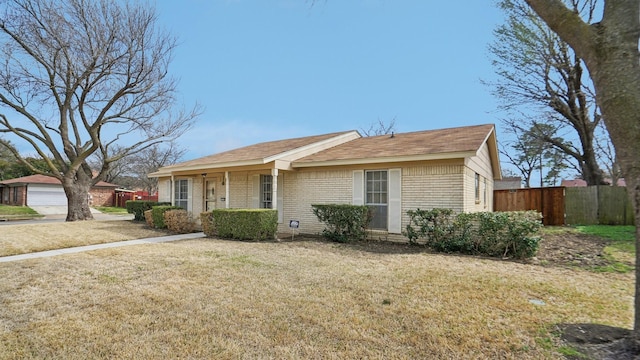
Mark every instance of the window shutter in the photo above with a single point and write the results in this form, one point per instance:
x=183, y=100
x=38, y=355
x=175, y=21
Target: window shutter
x=190, y=195
x=395, y=201
x=280, y=199
x=255, y=198
x=358, y=187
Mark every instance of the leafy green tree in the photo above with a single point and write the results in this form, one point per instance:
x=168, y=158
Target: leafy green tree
x=529, y=154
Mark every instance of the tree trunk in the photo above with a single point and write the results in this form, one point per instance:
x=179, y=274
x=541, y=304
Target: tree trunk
x=610, y=50
x=591, y=171
x=77, y=199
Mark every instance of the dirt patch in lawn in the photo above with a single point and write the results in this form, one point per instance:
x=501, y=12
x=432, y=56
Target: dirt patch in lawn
x=572, y=249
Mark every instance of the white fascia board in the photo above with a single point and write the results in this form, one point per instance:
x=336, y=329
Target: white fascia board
x=159, y=174
x=395, y=159
x=282, y=165
x=297, y=153
x=173, y=170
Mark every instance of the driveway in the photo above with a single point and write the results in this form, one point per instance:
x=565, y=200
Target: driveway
x=59, y=213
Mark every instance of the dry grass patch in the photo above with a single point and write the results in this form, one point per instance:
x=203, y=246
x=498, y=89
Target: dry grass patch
x=229, y=300
x=27, y=238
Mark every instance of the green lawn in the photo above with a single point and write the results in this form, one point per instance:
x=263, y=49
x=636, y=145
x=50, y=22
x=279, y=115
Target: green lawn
x=111, y=209
x=16, y=210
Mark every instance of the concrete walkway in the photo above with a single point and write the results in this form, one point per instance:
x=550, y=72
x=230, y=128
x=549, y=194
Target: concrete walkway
x=78, y=249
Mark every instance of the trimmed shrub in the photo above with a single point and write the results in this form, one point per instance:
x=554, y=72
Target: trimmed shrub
x=179, y=221
x=344, y=222
x=157, y=214
x=242, y=224
x=435, y=225
x=148, y=218
x=496, y=234
x=208, y=227
x=137, y=208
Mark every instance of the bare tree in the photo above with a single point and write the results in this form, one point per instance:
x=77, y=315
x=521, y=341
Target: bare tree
x=380, y=128
x=132, y=171
x=82, y=77
x=609, y=49
x=539, y=73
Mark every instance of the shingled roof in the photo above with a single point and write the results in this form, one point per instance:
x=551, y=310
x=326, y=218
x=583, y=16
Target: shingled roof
x=260, y=153
x=349, y=147
x=429, y=144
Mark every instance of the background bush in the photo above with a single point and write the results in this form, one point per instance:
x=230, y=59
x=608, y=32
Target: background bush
x=241, y=224
x=208, y=227
x=148, y=218
x=157, y=214
x=496, y=234
x=179, y=221
x=343, y=222
x=137, y=208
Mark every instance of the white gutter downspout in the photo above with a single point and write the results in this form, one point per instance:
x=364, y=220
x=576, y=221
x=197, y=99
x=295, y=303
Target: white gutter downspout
x=172, y=192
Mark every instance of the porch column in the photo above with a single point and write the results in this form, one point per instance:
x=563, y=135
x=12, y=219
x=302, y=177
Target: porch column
x=274, y=189
x=226, y=189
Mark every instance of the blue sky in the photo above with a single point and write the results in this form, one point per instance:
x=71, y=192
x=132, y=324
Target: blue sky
x=273, y=69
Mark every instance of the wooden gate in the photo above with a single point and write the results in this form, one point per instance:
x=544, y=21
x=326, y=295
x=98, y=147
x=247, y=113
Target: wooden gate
x=548, y=201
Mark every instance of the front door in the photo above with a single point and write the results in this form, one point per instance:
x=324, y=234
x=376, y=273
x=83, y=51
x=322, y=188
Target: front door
x=210, y=194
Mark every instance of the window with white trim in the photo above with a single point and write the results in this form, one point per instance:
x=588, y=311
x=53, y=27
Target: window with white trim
x=266, y=191
x=182, y=193
x=376, y=197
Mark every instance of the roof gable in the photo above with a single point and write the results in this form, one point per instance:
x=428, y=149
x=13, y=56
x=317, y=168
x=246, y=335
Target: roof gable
x=262, y=153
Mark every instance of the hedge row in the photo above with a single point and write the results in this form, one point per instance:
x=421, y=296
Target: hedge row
x=173, y=218
x=241, y=224
x=495, y=234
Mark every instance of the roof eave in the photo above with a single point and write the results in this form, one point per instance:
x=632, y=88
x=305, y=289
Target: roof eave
x=229, y=164
x=492, y=142
x=394, y=159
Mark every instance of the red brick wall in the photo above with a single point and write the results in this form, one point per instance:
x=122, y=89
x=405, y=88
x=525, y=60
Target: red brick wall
x=22, y=195
x=9, y=195
x=101, y=197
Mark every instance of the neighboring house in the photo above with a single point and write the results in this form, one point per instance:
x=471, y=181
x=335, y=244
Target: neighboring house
x=41, y=190
x=449, y=168
x=508, y=183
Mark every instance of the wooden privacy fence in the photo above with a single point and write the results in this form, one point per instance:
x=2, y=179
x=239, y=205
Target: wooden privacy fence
x=591, y=205
x=605, y=205
x=548, y=201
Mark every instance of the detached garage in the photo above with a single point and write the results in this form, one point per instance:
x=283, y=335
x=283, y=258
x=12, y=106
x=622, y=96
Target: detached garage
x=41, y=190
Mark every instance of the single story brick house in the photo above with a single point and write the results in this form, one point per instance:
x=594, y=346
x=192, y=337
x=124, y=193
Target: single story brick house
x=42, y=190
x=448, y=168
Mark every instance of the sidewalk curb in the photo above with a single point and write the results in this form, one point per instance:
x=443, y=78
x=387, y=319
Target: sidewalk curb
x=73, y=250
